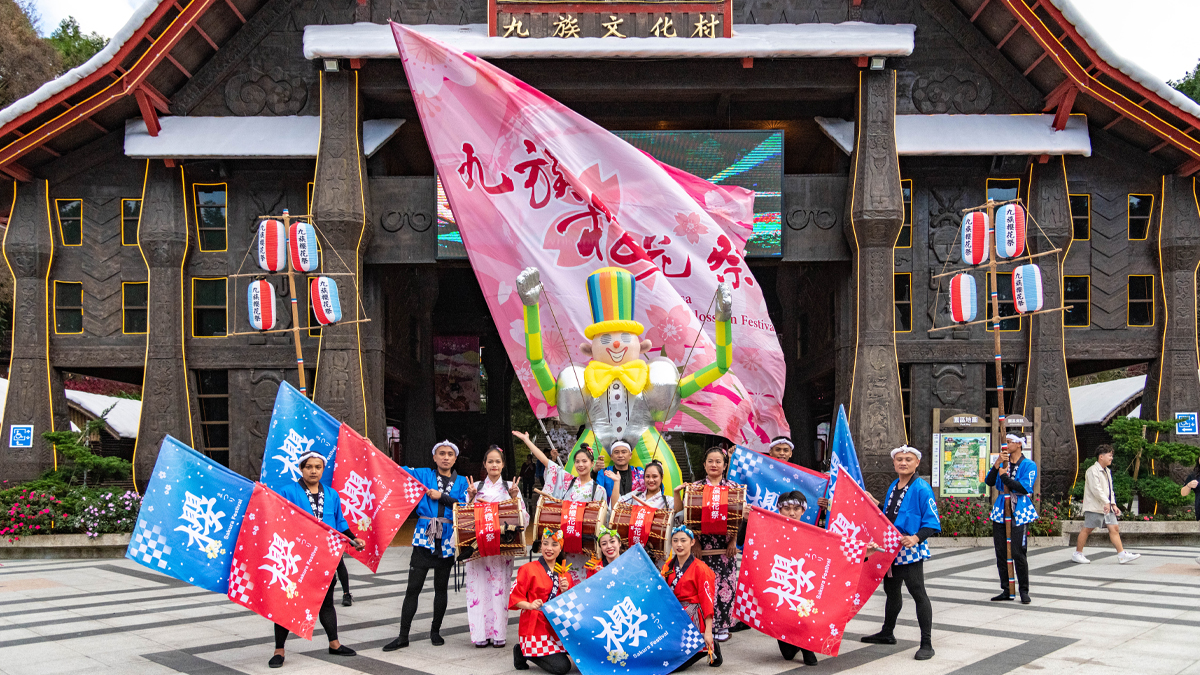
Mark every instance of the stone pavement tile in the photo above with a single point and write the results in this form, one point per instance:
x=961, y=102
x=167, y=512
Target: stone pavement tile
x=119, y=648
x=1033, y=622
x=184, y=635
x=1108, y=662
x=47, y=665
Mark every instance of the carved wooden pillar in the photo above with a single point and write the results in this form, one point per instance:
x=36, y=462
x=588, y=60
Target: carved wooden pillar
x=419, y=401
x=876, y=214
x=372, y=345
x=163, y=239
x=339, y=205
x=1046, y=368
x=1172, y=386
x=35, y=394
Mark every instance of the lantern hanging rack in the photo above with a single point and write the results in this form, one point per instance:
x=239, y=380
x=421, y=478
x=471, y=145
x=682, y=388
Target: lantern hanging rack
x=1003, y=318
x=1010, y=261
x=288, y=330
x=264, y=275
x=993, y=205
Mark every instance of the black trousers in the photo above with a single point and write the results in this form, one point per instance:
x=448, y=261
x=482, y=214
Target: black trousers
x=789, y=651
x=327, y=615
x=422, y=561
x=1019, y=554
x=555, y=664
x=343, y=576
x=911, y=576
x=702, y=654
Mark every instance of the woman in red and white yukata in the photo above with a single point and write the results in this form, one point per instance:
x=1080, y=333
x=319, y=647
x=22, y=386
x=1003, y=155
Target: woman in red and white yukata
x=693, y=583
x=489, y=578
x=610, y=550
x=538, y=582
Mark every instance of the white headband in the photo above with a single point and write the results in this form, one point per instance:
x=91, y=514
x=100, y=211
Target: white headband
x=906, y=448
x=309, y=455
x=1019, y=439
x=783, y=441
x=616, y=443
x=446, y=443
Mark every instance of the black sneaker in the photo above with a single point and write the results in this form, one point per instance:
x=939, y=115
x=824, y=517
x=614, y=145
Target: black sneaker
x=879, y=638
x=399, y=643
x=519, y=661
x=1002, y=597
x=347, y=600
x=437, y=639
x=276, y=661
x=924, y=653
x=1025, y=598
x=342, y=650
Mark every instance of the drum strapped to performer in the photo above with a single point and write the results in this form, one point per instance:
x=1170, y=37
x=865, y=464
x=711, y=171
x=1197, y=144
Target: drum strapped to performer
x=483, y=529
x=704, y=520
x=579, y=524
x=653, y=524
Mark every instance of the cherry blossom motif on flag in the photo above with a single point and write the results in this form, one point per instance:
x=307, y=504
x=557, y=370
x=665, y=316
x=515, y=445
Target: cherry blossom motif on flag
x=534, y=184
x=283, y=562
x=854, y=516
x=377, y=495
x=796, y=582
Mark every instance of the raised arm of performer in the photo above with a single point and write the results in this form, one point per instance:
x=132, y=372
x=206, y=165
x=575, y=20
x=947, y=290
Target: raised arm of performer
x=533, y=449
x=538, y=582
x=700, y=379
x=529, y=287
x=694, y=584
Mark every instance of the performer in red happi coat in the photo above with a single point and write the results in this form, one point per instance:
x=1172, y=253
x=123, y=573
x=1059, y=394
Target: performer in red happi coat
x=693, y=583
x=610, y=550
x=538, y=582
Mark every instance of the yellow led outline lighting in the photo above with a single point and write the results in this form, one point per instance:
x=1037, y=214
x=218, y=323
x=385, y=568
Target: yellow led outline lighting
x=196, y=214
x=136, y=225
x=1088, y=197
x=1129, y=218
x=124, y=307
x=56, y=282
x=58, y=215
x=1088, y=301
x=1153, y=309
x=193, y=306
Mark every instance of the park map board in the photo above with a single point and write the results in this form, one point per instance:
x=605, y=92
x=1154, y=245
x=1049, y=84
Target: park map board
x=964, y=464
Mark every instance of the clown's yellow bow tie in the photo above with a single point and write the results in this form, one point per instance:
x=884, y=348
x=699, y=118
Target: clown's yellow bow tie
x=598, y=376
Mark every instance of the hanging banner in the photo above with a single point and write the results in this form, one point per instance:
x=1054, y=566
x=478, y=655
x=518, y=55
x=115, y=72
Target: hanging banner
x=975, y=248
x=714, y=516
x=487, y=528
x=964, y=298
x=272, y=246
x=297, y=426
x=456, y=377
x=260, y=302
x=1027, y=288
x=572, y=526
x=1010, y=231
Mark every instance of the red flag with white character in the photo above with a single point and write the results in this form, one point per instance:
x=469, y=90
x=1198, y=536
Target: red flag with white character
x=797, y=581
x=853, y=514
x=377, y=495
x=283, y=562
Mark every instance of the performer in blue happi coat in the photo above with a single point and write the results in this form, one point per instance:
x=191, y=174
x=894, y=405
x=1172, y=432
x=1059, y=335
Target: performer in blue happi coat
x=1013, y=475
x=912, y=508
x=324, y=503
x=433, y=541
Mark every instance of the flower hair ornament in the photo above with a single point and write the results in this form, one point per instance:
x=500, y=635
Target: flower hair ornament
x=556, y=535
x=602, y=531
x=684, y=529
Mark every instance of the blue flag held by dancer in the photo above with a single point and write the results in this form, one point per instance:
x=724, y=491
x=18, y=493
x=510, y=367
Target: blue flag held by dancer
x=624, y=619
x=844, y=459
x=297, y=426
x=190, y=517
x=766, y=478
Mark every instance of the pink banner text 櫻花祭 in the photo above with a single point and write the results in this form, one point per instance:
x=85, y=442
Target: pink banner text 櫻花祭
x=533, y=184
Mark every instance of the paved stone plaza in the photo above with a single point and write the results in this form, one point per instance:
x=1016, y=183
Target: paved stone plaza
x=113, y=616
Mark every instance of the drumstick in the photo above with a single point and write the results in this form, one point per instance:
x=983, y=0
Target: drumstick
x=546, y=494
x=635, y=498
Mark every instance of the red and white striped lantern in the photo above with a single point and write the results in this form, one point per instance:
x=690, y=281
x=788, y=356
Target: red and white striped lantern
x=302, y=244
x=260, y=298
x=964, y=302
x=975, y=238
x=1027, y=288
x=272, y=245
x=1010, y=231
x=323, y=293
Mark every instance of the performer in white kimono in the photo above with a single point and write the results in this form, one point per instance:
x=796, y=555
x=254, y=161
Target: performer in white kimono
x=578, y=488
x=490, y=578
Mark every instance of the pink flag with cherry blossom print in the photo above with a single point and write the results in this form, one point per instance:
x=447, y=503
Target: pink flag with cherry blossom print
x=533, y=184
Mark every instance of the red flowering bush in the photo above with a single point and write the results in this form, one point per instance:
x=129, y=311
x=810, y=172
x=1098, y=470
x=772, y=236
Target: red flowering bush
x=30, y=512
x=964, y=517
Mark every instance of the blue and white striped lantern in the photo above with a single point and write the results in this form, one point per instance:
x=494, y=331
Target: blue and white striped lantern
x=975, y=238
x=964, y=302
x=1027, y=288
x=260, y=298
x=323, y=293
x=1010, y=231
x=272, y=245
x=302, y=244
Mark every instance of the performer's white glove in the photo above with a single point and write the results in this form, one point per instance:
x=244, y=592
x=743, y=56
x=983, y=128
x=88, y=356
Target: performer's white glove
x=529, y=286
x=724, y=301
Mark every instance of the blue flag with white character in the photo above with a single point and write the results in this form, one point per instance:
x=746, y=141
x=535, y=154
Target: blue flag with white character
x=190, y=517
x=297, y=426
x=844, y=459
x=766, y=478
x=625, y=619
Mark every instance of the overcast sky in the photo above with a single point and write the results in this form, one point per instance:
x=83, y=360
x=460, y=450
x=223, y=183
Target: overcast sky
x=1159, y=35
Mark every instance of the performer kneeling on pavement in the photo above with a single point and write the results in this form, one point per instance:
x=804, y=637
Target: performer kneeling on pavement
x=324, y=503
x=538, y=582
x=693, y=584
x=793, y=505
x=1013, y=476
x=610, y=550
x=489, y=578
x=433, y=541
x=911, y=507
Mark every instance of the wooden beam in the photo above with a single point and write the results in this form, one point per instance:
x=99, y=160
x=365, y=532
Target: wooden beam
x=1188, y=168
x=47, y=149
x=1116, y=120
x=17, y=172
x=161, y=103
x=982, y=6
x=1009, y=34
x=1035, y=64
x=236, y=11
x=1056, y=94
x=1064, y=109
x=1158, y=147
x=179, y=66
x=149, y=115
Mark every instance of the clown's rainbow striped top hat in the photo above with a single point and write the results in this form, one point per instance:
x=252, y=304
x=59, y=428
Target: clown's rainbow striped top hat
x=612, y=294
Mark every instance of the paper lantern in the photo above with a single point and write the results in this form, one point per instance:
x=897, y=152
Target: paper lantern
x=323, y=293
x=260, y=298
x=1027, y=288
x=963, y=298
x=1010, y=231
x=272, y=246
x=302, y=244
x=975, y=238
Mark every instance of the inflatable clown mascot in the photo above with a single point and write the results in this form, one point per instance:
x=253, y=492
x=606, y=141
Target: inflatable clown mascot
x=618, y=396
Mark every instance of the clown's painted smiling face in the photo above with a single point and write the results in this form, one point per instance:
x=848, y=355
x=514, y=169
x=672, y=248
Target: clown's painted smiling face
x=616, y=348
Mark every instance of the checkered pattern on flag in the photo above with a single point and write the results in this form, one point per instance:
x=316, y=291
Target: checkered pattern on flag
x=190, y=516
x=766, y=478
x=854, y=515
x=297, y=426
x=377, y=495
x=283, y=562
x=796, y=583
x=625, y=619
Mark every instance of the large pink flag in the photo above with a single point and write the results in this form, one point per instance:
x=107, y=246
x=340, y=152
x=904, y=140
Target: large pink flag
x=533, y=184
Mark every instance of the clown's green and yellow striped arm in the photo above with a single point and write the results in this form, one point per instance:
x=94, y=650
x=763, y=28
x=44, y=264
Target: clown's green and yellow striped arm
x=700, y=379
x=537, y=359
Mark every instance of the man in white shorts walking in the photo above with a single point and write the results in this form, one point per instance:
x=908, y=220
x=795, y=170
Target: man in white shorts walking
x=1100, y=508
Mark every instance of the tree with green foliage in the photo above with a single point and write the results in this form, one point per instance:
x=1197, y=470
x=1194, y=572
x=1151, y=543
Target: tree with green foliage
x=1189, y=84
x=1135, y=453
x=77, y=463
x=73, y=45
x=26, y=60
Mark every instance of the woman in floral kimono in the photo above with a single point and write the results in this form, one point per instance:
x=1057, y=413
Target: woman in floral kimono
x=725, y=564
x=580, y=487
x=692, y=582
x=538, y=582
x=490, y=578
x=652, y=494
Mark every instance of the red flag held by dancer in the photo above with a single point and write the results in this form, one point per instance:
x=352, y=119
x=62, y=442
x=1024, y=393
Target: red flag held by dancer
x=283, y=562
x=853, y=514
x=797, y=581
x=377, y=495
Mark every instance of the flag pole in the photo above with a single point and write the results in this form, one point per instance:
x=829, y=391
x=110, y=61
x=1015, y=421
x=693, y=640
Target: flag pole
x=287, y=223
x=991, y=213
